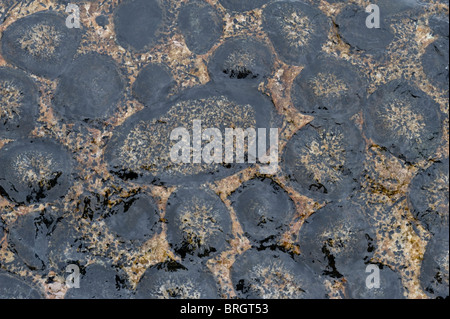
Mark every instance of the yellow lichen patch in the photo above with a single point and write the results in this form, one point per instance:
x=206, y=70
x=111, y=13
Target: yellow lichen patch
x=41, y=41
x=10, y=99
x=327, y=85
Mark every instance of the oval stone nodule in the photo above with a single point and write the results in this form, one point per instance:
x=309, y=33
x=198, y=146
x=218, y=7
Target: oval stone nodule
x=138, y=23
x=403, y=119
x=337, y=239
x=198, y=222
x=274, y=275
x=435, y=63
x=263, y=209
x=19, y=105
x=135, y=219
x=201, y=26
x=153, y=84
x=329, y=87
x=143, y=148
x=351, y=23
x=241, y=61
x=296, y=29
x=324, y=159
x=40, y=43
x=89, y=88
x=389, y=287
x=171, y=280
x=35, y=171
x=98, y=281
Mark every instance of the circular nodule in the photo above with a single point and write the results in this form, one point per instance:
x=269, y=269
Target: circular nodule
x=404, y=120
x=435, y=63
x=171, y=280
x=328, y=87
x=263, y=209
x=98, y=281
x=273, y=275
x=434, y=275
x=240, y=61
x=200, y=25
x=156, y=144
x=373, y=281
x=153, y=84
x=28, y=238
x=138, y=23
x=324, y=159
x=336, y=239
x=13, y=288
x=19, y=104
x=242, y=5
x=89, y=89
x=34, y=171
x=134, y=219
x=429, y=196
x=198, y=222
x=351, y=23
x=296, y=30
x=40, y=43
